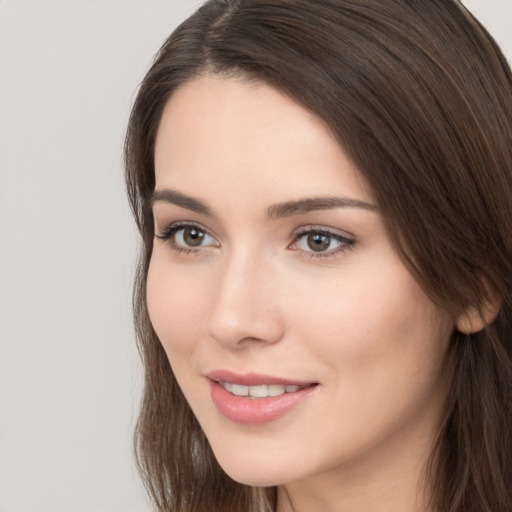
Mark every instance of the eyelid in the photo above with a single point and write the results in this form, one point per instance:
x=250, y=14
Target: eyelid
x=171, y=229
x=347, y=240
x=319, y=228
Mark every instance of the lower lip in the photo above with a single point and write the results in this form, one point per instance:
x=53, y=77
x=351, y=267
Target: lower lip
x=255, y=411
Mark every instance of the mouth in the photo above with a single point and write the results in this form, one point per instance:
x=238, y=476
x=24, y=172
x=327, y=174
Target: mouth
x=262, y=391
x=256, y=399
x=252, y=399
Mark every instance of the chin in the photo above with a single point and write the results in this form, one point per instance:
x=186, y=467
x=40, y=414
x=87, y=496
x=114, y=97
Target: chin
x=254, y=478
x=256, y=473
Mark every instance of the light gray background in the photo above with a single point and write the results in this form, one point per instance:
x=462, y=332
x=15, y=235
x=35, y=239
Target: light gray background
x=69, y=372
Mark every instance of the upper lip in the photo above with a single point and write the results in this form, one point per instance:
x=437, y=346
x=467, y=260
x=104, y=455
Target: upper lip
x=253, y=379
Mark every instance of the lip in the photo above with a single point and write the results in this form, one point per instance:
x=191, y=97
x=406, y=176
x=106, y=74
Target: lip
x=255, y=411
x=253, y=379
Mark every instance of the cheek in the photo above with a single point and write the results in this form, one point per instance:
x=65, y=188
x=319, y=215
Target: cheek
x=381, y=346
x=374, y=324
x=175, y=306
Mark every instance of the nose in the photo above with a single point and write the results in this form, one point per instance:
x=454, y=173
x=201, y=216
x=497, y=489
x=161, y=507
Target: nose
x=245, y=307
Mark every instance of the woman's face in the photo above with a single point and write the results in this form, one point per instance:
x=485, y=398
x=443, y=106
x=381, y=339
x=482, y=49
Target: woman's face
x=272, y=276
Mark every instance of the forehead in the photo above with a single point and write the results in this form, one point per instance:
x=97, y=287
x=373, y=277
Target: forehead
x=225, y=131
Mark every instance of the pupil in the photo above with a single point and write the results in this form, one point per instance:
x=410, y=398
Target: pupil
x=193, y=237
x=319, y=242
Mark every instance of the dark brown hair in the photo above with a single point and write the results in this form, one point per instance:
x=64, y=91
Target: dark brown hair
x=420, y=98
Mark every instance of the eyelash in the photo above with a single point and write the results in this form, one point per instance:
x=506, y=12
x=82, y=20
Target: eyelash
x=168, y=233
x=345, y=242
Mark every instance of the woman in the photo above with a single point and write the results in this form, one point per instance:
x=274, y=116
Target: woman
x=323, y=303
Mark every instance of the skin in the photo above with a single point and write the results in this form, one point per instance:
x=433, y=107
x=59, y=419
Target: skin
x=254, y=297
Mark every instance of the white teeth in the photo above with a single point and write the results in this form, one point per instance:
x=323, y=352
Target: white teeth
x=258, y=391
x=262, y=391
x=275, y=390
x=240, y=390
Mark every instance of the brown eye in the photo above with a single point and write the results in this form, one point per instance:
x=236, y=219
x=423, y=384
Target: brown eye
x=319, y=242
x=192, y=236
x=187, y=237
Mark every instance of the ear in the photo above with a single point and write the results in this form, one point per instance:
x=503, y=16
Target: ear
x=475, y=319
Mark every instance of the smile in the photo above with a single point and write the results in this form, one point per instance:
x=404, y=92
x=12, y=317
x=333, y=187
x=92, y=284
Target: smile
x=263, y=391
x=254, y=399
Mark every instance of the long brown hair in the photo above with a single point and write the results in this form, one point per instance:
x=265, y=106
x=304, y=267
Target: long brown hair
x=420, y=97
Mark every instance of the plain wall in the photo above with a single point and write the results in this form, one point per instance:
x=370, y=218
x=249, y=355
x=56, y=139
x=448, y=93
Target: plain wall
x=69, y=371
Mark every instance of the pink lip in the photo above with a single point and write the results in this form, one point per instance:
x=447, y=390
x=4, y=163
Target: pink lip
x=255, y=411
x=252, y=379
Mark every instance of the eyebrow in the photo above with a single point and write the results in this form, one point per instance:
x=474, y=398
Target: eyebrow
x=276, y=211
x=303, y=206
x=179, y=199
